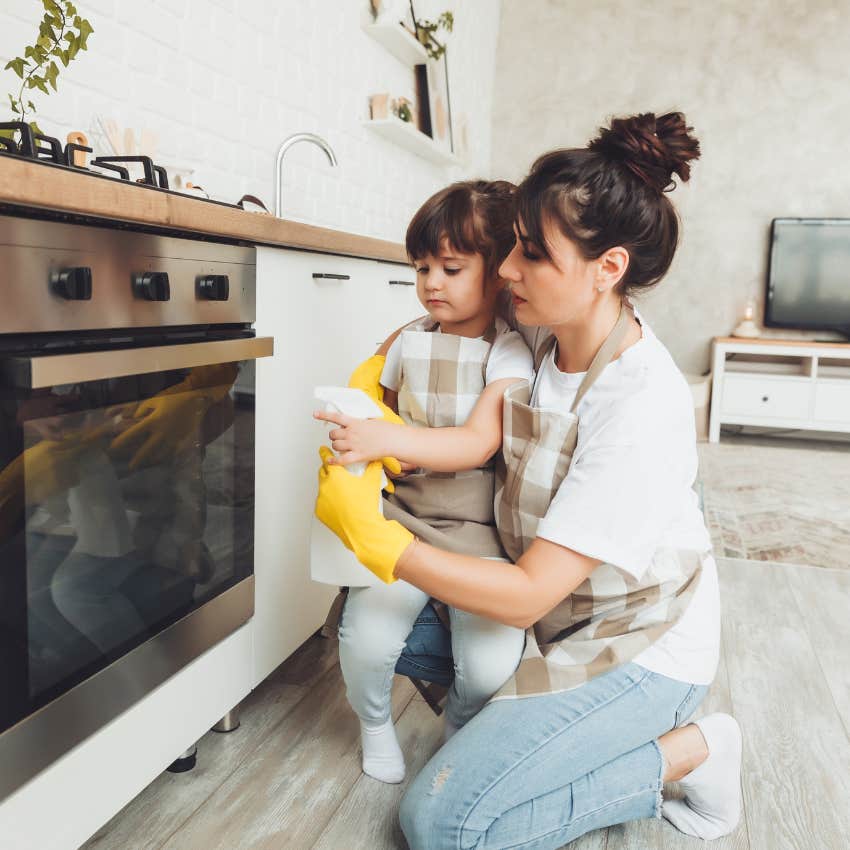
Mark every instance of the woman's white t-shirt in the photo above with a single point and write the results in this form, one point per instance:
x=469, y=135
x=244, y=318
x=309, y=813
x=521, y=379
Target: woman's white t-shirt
x=629, y=491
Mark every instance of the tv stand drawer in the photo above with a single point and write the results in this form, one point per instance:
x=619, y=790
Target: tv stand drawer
x=766, y=396
x=832, y=402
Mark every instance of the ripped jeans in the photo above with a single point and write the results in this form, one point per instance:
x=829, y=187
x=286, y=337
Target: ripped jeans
x=536, y=773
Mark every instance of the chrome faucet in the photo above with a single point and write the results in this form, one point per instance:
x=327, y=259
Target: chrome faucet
x=285, y=146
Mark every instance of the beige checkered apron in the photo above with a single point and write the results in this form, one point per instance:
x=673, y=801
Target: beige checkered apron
x=442, y=377
x=611, y=617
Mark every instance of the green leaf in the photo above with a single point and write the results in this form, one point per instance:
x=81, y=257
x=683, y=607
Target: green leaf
x=15, y=108
x=68, y=36
x=17, y=65
x=63, y=55
x=51, y=73
x=45, y=30
x=85, y=31
x=40, y=84
x=30, y=105
x=36, y=128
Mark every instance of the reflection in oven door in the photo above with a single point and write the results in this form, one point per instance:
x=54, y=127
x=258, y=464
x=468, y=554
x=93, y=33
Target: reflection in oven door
x=125, y=503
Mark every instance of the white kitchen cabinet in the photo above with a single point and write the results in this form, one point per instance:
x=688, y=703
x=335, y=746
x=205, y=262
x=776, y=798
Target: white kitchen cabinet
x=327, y=313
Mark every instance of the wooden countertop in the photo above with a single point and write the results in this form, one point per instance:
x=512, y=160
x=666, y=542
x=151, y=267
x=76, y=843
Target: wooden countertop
x=33, y=185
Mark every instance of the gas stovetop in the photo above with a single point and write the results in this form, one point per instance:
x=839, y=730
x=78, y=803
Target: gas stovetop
x=48, y=151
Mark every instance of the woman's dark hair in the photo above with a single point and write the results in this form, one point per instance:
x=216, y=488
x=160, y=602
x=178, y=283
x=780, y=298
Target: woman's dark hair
x=475, y=216
x=614, y=192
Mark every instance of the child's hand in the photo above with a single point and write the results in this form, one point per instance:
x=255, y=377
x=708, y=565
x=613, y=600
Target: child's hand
x=362, y=440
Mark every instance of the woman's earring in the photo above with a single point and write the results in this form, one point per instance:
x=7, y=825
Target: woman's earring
x=600, y=288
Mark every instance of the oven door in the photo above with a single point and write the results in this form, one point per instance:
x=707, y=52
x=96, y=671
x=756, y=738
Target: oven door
x=126, y=530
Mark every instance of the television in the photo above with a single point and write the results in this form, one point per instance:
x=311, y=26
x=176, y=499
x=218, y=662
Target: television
x=808, y=278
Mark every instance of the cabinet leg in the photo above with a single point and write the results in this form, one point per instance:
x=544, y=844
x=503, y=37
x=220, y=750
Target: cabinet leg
x=228, y=723
x=185, y=761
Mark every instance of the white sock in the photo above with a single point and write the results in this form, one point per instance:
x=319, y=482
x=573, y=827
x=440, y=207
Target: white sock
x=449, y=728
x=712, y=804
x=382, y=756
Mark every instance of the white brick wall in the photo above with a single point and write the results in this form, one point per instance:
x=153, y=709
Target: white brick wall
x=221, y=83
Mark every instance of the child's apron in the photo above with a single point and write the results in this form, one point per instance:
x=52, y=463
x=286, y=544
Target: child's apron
x=611, y=617
x=442, y=377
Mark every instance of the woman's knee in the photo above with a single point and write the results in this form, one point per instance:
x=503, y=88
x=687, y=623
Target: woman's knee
x=419, y=818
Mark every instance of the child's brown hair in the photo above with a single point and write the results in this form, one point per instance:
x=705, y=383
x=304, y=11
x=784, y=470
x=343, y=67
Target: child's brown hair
x=475, y=216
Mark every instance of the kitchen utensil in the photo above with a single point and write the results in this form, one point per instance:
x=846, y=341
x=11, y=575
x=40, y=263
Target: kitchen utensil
x=77, y=138
x=112, y=133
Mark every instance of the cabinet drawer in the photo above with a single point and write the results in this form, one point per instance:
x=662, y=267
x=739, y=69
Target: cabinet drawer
x=832, y=402
x=777, y=398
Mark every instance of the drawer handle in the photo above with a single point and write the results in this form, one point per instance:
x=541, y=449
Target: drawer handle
x=402, y=283
x=329, y=276
x=764, y=398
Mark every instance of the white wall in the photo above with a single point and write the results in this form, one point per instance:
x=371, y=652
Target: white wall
x=222, y=83
x=765, y=85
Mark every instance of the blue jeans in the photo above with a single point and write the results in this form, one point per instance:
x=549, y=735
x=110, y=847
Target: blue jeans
x=539, y=772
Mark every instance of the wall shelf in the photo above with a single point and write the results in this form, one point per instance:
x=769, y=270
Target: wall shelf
x=397, y=40
x=406, y=135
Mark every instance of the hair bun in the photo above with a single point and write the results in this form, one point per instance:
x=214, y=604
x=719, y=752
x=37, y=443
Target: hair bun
x=653, y=148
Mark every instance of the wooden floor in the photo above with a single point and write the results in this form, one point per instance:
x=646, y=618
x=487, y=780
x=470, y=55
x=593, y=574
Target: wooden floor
x=290, y=777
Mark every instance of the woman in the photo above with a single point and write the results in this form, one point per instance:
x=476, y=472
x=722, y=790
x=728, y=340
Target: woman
x=613, y=572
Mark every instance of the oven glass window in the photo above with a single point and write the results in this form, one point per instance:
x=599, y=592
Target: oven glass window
x=124, y=505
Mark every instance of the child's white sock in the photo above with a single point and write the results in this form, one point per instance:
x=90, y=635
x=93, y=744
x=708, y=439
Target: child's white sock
x=712, y=804
x=448, y=728
x=382, y=756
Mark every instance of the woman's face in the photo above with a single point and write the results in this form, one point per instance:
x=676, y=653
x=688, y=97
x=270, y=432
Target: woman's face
x=554, y=292
x=451, y=285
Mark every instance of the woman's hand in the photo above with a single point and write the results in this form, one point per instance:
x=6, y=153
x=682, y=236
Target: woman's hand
x=349, y=506
x=362, y=440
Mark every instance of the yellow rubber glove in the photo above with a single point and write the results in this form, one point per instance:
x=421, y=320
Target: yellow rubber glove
x=348, y=505
x=164, y=426
x=367, y=377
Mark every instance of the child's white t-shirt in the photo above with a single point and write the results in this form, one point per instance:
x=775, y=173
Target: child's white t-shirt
x=629, y=490
x=509, y=358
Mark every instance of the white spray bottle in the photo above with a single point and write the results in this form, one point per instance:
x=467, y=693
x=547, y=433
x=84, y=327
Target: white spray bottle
x=330, y=561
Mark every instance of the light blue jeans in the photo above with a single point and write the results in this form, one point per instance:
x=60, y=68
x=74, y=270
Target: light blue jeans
x=375, y=627
x=541, y=771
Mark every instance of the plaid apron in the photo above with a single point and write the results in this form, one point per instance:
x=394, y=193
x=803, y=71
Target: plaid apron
x=611, y=617
x=442, y=377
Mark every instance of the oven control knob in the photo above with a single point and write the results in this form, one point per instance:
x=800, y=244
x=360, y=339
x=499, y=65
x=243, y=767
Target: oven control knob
x=214, y=287
x=72, y=284
x=152, y=286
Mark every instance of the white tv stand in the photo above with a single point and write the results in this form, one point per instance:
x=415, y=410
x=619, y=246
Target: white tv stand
x=780, y=383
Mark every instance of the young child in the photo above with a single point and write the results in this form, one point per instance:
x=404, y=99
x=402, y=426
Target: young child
x=445, y=375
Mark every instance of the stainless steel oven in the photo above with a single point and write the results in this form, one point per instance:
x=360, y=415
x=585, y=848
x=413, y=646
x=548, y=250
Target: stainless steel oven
x=126, y=471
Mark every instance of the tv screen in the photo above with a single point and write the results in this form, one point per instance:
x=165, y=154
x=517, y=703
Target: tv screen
x=808, y=281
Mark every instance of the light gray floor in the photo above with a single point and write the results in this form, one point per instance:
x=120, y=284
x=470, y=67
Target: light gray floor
x=290, y=776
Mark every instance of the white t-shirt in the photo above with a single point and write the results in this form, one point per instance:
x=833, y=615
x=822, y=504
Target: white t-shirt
x=629, y=490
x=509, y=358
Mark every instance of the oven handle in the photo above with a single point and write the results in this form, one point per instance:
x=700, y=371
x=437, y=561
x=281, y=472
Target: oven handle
x=56, y=369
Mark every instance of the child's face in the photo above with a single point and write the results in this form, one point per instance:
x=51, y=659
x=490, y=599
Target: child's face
x=452, y=287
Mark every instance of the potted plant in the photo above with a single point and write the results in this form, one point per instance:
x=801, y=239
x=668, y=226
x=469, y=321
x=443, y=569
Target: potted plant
x=62, y=34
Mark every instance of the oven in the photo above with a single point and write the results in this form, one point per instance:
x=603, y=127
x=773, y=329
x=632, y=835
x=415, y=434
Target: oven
x=126, y=471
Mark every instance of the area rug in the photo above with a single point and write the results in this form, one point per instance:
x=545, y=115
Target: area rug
x=778, y=500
